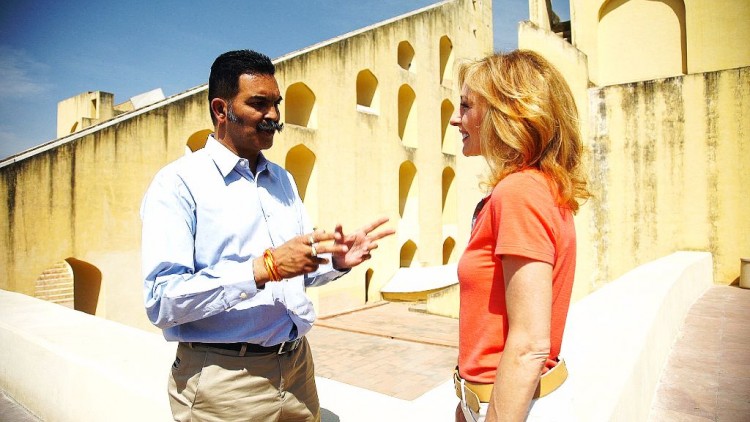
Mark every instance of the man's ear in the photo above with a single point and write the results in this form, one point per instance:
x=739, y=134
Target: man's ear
x=219, y=109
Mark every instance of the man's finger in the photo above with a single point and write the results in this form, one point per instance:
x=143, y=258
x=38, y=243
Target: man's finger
x=320, y=261
x=334, y=248
x=320, y=236
x=381, y=234
x=375, y=224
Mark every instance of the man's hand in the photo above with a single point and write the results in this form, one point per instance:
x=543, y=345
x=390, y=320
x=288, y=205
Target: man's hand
x=358, y=245
x=299, y=255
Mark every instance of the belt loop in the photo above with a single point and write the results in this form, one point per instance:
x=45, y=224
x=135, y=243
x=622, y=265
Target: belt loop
x=190, y=344
x=243, y=350
x=281, y=348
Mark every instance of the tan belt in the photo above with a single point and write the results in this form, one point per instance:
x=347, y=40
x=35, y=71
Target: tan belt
x=480, y=393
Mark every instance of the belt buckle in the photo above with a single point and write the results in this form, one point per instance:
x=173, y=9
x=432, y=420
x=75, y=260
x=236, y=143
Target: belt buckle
x=287, y=346
x=465, y=394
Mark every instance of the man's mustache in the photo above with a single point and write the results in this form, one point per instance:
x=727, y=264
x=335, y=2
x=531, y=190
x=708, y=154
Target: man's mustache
x=270, y=126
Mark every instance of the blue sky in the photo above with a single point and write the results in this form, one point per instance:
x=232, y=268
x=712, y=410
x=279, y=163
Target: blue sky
x=51, y=50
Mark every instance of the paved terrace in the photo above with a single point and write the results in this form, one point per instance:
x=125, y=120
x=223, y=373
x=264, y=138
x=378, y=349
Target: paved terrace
x=390, y=349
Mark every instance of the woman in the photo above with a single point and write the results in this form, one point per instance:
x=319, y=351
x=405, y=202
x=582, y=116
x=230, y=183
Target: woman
x=516, y=274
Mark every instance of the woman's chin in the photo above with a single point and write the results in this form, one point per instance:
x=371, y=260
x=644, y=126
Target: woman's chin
x=467, y=152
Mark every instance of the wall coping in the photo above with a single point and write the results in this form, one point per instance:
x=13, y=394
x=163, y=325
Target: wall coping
x=65, y=365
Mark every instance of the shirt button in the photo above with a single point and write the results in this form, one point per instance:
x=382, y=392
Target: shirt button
x=243, y=295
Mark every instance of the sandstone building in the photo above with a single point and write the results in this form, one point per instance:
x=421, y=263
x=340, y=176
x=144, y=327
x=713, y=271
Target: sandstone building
x=366, y=135
x=663, y=90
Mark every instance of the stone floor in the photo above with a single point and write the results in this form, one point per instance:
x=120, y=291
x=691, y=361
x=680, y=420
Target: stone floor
x=707, y=376
x=386, y=348
x=11, y=411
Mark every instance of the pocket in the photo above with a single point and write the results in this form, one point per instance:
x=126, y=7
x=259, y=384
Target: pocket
x=183, y=380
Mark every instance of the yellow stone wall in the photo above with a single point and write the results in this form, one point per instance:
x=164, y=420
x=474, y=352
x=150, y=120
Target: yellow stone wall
x=78, y=198
x=367, y=135
x=633, y=40
x=670, y=159
x=668, y=151
x=83, y=110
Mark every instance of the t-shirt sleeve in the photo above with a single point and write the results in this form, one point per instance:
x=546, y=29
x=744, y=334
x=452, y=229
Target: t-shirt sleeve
x=523, y=213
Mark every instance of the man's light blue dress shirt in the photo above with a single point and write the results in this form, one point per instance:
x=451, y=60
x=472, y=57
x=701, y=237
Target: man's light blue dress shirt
x=205, y=218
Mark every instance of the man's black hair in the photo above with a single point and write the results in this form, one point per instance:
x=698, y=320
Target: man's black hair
x=227, y=68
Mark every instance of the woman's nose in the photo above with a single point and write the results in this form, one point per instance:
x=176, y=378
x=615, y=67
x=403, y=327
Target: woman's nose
x=455, y=119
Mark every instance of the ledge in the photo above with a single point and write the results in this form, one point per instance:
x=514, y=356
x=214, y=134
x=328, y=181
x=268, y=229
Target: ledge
x=618, y=338
x=65, y=365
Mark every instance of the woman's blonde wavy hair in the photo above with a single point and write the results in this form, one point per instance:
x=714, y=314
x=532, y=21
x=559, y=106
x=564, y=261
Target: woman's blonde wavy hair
x=530, y=121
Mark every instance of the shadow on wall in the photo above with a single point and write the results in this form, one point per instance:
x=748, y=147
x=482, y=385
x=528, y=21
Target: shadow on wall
x=87, y=280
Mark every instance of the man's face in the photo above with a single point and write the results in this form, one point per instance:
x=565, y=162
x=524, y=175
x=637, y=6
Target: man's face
x=257, y=101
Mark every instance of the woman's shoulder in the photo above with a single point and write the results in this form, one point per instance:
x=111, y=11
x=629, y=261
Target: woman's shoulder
x=525, y=188
x=523, y=181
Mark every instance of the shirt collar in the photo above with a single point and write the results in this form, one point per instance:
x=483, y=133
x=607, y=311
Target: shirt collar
x=226, y=160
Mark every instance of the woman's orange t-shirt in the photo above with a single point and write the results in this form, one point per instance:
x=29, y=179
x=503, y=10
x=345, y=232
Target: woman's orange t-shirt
x=520, y=217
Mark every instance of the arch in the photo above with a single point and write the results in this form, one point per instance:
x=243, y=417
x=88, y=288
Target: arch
x=300, y=162
x=367, y=89
x=407, y=254
x=299, y=106
x=406, y=56
x=87, y=280
x=449, y=247
x=56, y=285
x=446, y=59
x=449, y=196
x=197, y=140
x=407, y=116
x=408, y=201
x=641, y=40
x=71, y=283
x=368, y=280
x=406, y=188
x=449, y=134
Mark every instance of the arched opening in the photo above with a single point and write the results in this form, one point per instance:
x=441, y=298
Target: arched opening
x=408, y=252
x=446, y=60
x=449, y=134
x=406, y=189
x=408, y=201
x=641, y=40
x=197, y=140
x=71, y=283
x=87, y=280
x=449, y=196
x=449, y=247
x=367, y=90
x=407, y=116
x=368, y=279
x=300, y=162
x=56, y=285
x=406, y=56
x=299, y=106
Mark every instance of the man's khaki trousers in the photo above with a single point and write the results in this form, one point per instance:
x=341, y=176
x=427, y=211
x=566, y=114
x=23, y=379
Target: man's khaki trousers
x=217, y=385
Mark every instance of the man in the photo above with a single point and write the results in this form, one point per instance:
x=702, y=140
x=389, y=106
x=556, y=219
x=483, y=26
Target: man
x=227, y=252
